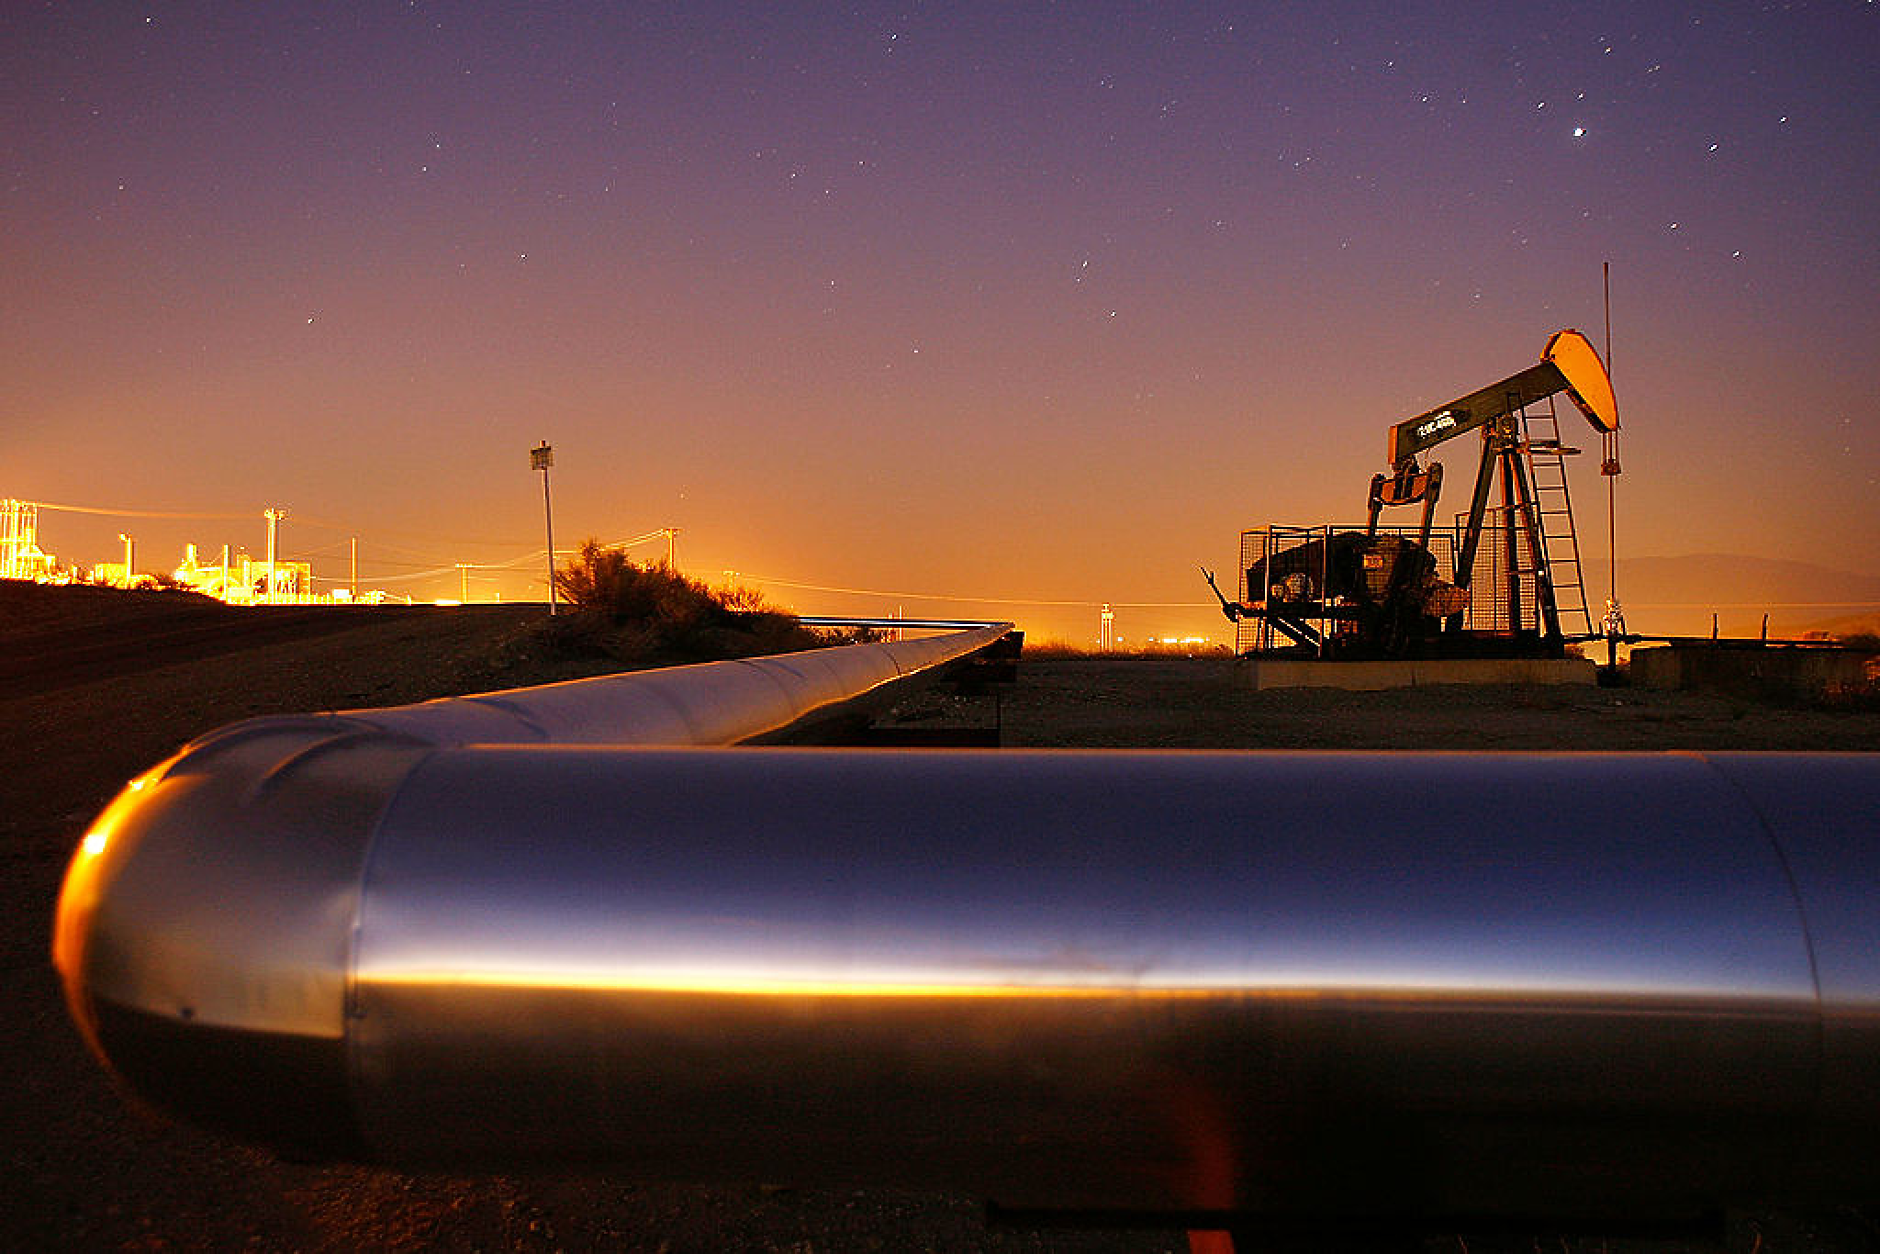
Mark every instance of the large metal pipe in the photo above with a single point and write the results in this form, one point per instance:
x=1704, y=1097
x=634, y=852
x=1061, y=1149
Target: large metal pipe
x=743, y=701
x=1418, y=985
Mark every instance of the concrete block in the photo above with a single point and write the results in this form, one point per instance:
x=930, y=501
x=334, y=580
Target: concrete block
x=1774, y=670
x=1262, y=673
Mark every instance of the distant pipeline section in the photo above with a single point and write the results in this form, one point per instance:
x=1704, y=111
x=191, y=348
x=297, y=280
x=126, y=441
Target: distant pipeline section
x=1390, y=987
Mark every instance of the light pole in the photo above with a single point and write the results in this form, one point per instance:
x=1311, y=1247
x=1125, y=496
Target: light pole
x=274, y=517
x=541, y=457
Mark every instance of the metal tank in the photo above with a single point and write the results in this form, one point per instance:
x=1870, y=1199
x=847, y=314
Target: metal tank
x=1295, y=984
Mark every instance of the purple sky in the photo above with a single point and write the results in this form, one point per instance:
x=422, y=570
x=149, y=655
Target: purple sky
x=1041, y=303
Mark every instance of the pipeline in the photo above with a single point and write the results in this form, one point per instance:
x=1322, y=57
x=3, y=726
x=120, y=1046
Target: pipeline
x=760, y=700
x=1287, y=984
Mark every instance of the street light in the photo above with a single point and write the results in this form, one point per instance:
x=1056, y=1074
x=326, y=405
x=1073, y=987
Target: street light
x=541, y=457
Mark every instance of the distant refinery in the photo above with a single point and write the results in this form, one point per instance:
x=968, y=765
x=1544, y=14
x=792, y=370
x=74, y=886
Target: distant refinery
x=236, y=578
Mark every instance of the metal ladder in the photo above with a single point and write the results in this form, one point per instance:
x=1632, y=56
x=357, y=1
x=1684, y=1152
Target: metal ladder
x=1546, y=458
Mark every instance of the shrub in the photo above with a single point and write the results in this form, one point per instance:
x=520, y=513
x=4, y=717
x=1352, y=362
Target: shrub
x=653, y=614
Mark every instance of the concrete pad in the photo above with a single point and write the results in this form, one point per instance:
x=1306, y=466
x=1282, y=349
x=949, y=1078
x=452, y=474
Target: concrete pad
x=1265, y=673
x=1770, y=670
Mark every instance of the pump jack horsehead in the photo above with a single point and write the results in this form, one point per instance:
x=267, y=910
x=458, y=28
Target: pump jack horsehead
x=1389, y=584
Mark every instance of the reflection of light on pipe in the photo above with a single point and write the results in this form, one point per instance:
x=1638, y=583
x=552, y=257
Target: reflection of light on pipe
x=98, y=837
x=1718, y=1003
x=787, y=987
x=731, y=985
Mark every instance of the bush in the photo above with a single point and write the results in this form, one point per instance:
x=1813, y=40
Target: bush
x=653, y=614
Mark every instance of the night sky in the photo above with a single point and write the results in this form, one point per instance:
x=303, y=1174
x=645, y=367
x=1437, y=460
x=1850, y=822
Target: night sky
x=1034, y=302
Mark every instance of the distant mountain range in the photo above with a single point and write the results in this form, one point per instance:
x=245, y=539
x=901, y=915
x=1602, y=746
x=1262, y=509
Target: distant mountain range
x=1678, y=595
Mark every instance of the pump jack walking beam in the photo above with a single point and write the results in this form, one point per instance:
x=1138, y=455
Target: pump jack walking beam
x=1568, y=364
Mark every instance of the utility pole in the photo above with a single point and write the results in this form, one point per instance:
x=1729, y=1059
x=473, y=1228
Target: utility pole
x=352, y=583
x=274, y=517
x=541, y=457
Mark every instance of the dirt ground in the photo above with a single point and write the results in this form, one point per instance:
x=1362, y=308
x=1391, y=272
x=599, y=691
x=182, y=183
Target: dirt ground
x=84, y=1171
x=1198, y=704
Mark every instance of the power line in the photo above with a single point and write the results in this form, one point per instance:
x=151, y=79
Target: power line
x=431, y=558
x=300, y=520
x=371, y=538
x=310, y=520
x=377, y=563
x=140, y=513
x=926, y=596
x=416, y=574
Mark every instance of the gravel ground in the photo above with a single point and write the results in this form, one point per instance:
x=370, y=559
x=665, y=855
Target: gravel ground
x=85, y=1171
x=1196, y=703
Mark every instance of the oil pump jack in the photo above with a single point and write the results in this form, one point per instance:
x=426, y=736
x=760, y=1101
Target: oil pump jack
x=1380, y=592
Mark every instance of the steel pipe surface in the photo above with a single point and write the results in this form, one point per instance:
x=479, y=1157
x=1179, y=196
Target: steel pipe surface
x=711, y=703
x=1288, y=983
